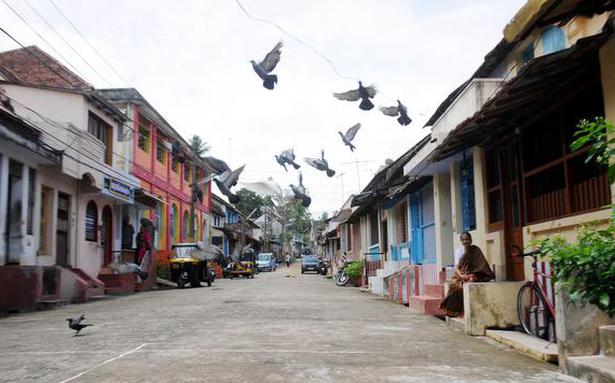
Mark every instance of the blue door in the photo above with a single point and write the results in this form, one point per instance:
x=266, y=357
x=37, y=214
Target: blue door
x=416, y=231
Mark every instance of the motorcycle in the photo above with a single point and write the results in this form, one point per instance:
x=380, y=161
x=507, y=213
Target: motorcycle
x=322, y=267
x=341, y=278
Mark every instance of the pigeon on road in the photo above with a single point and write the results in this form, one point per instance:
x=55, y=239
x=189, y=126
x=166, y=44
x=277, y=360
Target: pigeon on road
x=226, y=181
x=362, y=93
x=320, y=164
x=299, y=193
x=264, y=68
x=349, y=136
x=75, y=324
x=399, y=110
x=287, y=157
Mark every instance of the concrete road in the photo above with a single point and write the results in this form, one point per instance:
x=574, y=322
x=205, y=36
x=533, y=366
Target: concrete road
x=273, y=328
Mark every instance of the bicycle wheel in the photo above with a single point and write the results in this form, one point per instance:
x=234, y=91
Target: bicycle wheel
x=534, y=314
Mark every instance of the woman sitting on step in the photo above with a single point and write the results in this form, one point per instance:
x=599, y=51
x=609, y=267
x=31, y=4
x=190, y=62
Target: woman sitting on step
x=472, y=267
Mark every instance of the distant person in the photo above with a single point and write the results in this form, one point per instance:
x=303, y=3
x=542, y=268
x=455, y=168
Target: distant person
x=287, y=260
x=472, y=267
x=144, y=246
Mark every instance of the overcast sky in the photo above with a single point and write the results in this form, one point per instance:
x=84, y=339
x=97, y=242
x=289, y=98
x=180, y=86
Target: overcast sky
x=190, y=59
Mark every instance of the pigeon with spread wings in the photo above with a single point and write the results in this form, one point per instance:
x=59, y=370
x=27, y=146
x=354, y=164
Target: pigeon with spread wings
x=217, y=166
x=362, y=93
x=320, y=164
x=226, y=181
x=264, y=68
x=349, y=136
x=399, y=110
x=287, y=157
x=300, y=193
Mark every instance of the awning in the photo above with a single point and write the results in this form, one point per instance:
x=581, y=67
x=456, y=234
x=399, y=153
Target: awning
x=525, y=95
x=148, y=199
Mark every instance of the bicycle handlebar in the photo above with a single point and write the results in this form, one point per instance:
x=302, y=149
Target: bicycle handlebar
x=533, y=253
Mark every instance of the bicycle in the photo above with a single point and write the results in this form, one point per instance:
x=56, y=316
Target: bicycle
x=536, y=312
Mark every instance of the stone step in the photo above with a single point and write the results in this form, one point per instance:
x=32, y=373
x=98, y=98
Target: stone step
x=592, y=369
x=457, y=323
x=434, y=290
x=534, y=347
x=607, y=340
x=426, y=304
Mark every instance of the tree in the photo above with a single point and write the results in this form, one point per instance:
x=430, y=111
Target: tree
x=198, y=146
x=248, y=201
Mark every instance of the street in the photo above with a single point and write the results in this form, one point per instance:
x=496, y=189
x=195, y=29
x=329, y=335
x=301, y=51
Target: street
x=274, y=328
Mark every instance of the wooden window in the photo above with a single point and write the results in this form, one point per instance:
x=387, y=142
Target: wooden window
x=468, y=207
x=373, y=228
x=161, y=152
x=101, y=130
x=91, y=222
x=403, y=217
x=43, y=245
x=187, y=172
x=31, y=197
x=144, y=140
x=494, y=189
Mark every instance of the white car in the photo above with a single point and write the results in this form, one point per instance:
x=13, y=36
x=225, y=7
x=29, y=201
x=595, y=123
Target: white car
x=266, y=261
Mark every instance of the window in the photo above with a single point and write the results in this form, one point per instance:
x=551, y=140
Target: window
x=527, y=54
x=186, y=226
x=468, y=209
x=349, y=237
x=161, y=152
x=31, y=191
x=46, y=195
x=144, y=140
x=91, y=222
x=187, y=171
x=373, y=228
x=174, y=164
x=494, y=187
x=101, y=130
x=553, y=40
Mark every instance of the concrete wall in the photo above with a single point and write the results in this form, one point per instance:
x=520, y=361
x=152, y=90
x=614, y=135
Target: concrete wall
x=443, y=219
x=490, y=305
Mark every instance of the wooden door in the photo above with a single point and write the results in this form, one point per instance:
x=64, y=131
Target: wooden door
x=62, y=225
x=512, y=203
x=107, y=235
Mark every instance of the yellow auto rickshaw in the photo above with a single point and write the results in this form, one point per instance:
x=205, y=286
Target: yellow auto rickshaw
x=244, y=265
x=189, y=265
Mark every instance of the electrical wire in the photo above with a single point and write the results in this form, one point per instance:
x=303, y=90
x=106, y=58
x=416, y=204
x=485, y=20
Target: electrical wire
x=71, y=86
x=88, y=42
x=66, y=42
x=43, y=38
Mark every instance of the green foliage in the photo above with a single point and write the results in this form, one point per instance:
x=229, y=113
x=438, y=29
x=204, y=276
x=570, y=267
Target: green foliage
x=599, y=134
x=248, y=202
x=354, y=269
x=198, y=146
x=586, y=267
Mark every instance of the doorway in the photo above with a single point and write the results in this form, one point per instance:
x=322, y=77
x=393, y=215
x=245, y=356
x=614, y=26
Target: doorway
x=511, y=195
x=62, y=226
x=13, y=233
x=107, y=235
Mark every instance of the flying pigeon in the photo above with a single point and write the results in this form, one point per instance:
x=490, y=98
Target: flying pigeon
x=268, y=64
x=287, y=157
x=218, y=166
x=362, y=93
x=299, y=193
x=349, y=136
x=226, y=181
x=399, y=110
x=320, y=164
x=75, y=324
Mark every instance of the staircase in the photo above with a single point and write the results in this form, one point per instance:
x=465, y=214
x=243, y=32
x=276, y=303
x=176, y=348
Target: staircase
x=431, y=296
x=93, y=286
x=596, y=368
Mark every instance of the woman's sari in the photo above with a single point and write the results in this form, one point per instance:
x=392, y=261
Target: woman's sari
x=474, y=264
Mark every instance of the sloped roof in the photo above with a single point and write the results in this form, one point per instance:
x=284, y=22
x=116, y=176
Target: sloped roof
x=32, y=66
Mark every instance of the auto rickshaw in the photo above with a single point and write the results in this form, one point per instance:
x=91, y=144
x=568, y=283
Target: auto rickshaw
x=189, y=265
x=244, y=265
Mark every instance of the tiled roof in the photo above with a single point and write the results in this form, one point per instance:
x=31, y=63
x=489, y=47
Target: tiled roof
x=21, y=66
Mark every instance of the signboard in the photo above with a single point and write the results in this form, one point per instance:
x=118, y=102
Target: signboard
x=119, y=190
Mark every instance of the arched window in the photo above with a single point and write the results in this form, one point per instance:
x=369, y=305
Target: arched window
x=553, y=40
x=91, y=222
x=174, y=223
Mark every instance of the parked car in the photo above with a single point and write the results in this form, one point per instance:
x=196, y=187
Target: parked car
x=310, y=263
x=266, y=261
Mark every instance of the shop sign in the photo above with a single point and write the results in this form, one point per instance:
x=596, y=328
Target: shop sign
x=119, y=190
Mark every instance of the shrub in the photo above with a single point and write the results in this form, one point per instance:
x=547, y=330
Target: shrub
x=586, y=267
x=354, y=269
